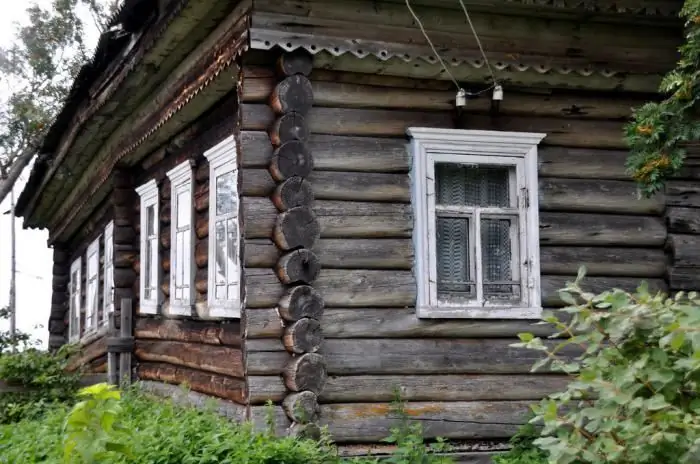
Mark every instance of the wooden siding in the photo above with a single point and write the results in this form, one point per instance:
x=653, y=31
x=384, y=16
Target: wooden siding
x=461, y=377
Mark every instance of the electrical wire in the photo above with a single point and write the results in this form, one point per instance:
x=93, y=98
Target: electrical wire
x=478, y=42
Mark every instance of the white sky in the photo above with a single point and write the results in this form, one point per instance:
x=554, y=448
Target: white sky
x=34, y=258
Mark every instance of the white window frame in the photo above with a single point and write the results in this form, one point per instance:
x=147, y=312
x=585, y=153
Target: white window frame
x=517, y=149
x=223, y=158
x=149, y=197
x=182, y=181
x=92, y=254
x=75, y=294
x=108, y=273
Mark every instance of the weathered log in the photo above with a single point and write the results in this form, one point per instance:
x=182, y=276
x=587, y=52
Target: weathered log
x=371, y=288
x=260, y=419
x=291, y=159
x=296, y=62
x=201, y=198
x=292, y=94
x=124, y=277
x=603, y=261
x=683, y=220
x=684, y=278
x=201, y=226
x=337, y=218
x=305, y=372
x=382, y=388
x=371, y=422
x=303, y=336
x=683, y=193
x=297, y=227
x=414, y=356
x=165, y=262
x=685, y=250
x=287, y=128
x=164, y=215
x=191, y=399
x=301, y=302
x=165, y=237
x=210, y=333
x=124, y=258
x=599, y=230
x=334, y=153
x=201, y=282
x=124, y=235
x=59, y=298
x=329, y=185
x=293, y=192
x=298, y=267
x=165, y=287
x=582, y=163
x=219, y=359
x=90, y=351
x=596, y=196
x=201, y=253
x=228, y=388
x=309, y=431
x=301, y=407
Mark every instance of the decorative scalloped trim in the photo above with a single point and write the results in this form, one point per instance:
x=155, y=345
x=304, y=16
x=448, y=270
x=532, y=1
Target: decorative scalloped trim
x=266, y=40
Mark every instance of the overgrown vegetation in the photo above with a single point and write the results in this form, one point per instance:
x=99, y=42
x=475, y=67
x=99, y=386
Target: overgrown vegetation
x=634, y=359
x=660, y=129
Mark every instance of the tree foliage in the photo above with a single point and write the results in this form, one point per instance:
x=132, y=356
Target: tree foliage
x=37, y=70
x=659, y=131
x=633, y=398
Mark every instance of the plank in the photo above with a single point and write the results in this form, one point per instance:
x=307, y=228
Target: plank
x=382, y=388
x=371, y=422
x=390, y=288
x=211, y=333
x=405, y=356
x=601, y=230
x=337, y=218
x=196, y=356
x=388, y=123
x=334, y=152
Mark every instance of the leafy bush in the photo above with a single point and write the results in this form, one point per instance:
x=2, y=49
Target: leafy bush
x=523, y=449
x=634, y=391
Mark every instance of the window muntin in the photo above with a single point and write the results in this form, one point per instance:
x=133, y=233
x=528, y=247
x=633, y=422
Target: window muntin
x=224, y=257
x=182, y=239
x=74, y=302
x=108, y=273
x=92, y=295
x=476, y=235
x=150, y=265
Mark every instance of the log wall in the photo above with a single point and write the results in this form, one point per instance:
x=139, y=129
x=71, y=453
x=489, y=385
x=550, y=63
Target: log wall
x=460, y=377
x=203, y=354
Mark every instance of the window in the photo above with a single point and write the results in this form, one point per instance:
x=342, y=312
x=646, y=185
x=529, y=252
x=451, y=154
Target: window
x=181, y=239
x=92, y=296
x=476, y=223
x=150, y=265
x=224, y=292
x=108, y=272
x=74, y=306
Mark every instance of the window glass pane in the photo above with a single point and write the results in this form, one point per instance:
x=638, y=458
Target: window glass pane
x=220, y=251
x=497, y=257
x=226, y=194
x=184, y=209
x=462, y=185
x=231, y=248
x=221, y=292
x=150, y=220
x=147, y=269
x=453, y=257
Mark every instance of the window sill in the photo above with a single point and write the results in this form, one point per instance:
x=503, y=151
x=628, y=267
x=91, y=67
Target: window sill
x=466, y=312
x=179, y=309
x=148, y=308
x=224, y=311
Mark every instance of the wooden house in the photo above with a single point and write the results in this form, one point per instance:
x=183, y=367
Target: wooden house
x=300, y=212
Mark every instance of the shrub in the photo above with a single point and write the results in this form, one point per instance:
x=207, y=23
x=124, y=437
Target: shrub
x=634, y=391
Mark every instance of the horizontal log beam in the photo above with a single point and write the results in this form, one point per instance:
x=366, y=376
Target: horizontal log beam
x=685, y=250
x=211, y=333
x=381, y=388
x=190, y=399
x=227, y=388
x=601, y=230
x=372, y=422
x=367, y=288
x=411, y=356
x=209, y=358
x=683, y=220
x=393, y=123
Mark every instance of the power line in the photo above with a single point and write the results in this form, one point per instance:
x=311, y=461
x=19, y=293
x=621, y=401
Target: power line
x=478, y=42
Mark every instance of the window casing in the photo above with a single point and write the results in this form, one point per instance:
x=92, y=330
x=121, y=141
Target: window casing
x=182, y=239
x=151, y=296
x=108, y=273
x=224, y=276
x=74, y=302
x=476, y=228
x=92, y=294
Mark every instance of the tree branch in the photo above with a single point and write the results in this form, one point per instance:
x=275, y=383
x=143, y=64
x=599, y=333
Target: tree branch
x=16, y=168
